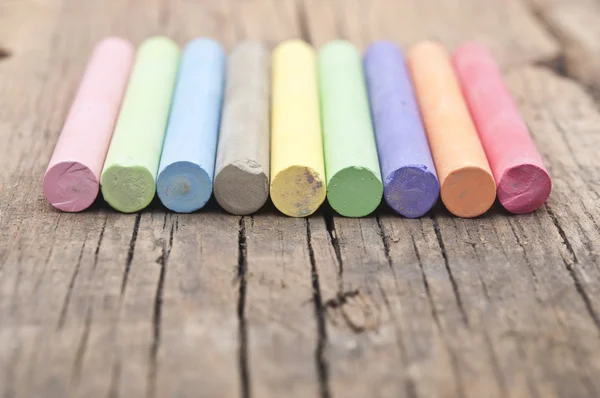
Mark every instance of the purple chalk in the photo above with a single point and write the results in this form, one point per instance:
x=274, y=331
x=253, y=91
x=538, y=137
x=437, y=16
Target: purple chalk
x=411, y=186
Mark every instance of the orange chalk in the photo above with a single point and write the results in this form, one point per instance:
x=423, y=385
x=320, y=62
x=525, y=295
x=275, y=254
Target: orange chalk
x=468, y=188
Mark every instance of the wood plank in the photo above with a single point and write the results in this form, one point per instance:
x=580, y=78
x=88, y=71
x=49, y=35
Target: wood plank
x=280, y=311
x=484, y=296
x=103, y=304
x=282, y=300
x=500, y=25
x=574, y=23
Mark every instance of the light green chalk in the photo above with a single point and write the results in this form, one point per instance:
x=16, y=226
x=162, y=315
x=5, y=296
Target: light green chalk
x=129, y=176
x=354, y=187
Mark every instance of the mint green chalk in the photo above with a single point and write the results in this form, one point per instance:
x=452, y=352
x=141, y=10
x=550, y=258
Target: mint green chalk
x=128, y=179
x=354, y=186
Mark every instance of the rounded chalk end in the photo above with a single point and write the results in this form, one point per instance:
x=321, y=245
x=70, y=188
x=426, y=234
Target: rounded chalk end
x=381, y=47
x=127, y=189
x=339, y=45
x=524, y=188
x=468, y=192
x=184, y=187
x=242, y=188
x=293, y=46
x=70, y=186
x=206, y=44
x=355, y=192
x=117, y=43
x=162, y=42
x=426, y=47
x=298, y=191
x=412, y=191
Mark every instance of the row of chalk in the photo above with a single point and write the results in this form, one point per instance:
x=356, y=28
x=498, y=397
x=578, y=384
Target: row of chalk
x=296, y=126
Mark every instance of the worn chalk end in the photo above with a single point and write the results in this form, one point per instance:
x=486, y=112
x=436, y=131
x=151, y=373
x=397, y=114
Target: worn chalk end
x=159, y=41
x=117, y=43
x=70, y=186
x=355, y=192
x=127, y=189
x=298, y=191
x=242, y=187
x=469, y=192
x=412, y=190
x=184, y=187
x=524, y=188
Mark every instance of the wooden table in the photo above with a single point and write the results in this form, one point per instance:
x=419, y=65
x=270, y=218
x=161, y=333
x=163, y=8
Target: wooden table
x=156, y=304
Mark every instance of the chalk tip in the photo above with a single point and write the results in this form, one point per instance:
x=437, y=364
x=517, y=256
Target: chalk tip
x=242, y=188
x=70, y=186
x=255, y=45
x=355, y=191
x=468, y=192
x=338, y=45
x=205, y=43
x=471, y=46
x=292, y=45
x=116, y=41
x=412, y=191
x=298, y=191
x=160, y=41
x=427, y=46
x=384, y=46
x=472, y=52
x=184, y=187
x=127, y=189
x=524, y=188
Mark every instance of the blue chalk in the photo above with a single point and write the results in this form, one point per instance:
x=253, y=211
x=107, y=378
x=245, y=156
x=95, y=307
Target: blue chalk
x=187, y=165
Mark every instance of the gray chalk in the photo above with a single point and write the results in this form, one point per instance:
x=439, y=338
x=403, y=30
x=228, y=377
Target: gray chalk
x=241, y=184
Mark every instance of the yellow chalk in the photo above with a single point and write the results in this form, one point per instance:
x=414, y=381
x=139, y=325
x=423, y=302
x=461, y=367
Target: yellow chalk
x=297, y=165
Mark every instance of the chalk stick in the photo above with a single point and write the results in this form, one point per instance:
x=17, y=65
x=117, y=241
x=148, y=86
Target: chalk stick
x=411, y=186
x=523, y=184
x=467, y=185
x=128, y=179
x=72, y=180
x=242, y=170
x=353, y=175
x=298, y=185
x=185, y=176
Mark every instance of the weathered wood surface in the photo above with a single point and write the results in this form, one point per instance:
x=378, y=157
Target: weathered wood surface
x=575, y=25
x=161, y=305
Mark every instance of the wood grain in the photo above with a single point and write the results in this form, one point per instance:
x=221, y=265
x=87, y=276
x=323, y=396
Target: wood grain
x=575, y=26
x=499, y=25
x=101, y=304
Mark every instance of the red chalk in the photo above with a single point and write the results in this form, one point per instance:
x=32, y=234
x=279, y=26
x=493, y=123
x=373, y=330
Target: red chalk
x=523, y=183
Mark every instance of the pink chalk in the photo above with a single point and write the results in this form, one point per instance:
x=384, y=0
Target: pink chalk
x=71, y=182
x=523, y=183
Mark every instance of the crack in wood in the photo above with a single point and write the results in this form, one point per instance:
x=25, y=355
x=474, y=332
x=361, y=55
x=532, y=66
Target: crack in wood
x=303, y=24
x=340, y=299
x=460, y=388
x=335, y=243
x=499, y=376
x=164, y=14
x=82, y=348
x=320, y=359
x=524, y=249
x=242, y=272
x=130, y=253
x=162, y=261
x=100, y=239
x=569, y=265
x=63, y=311
x=457, y=296
x=115, y=378
x=409, y=383
x=4, y=54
